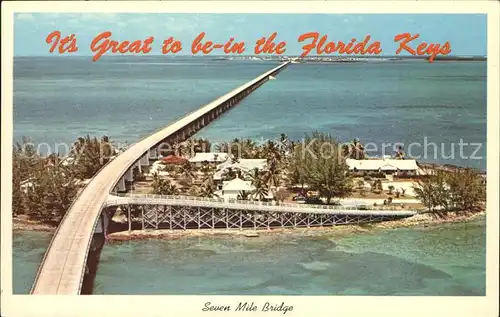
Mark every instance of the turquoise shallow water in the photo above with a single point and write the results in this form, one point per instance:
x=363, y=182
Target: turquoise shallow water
x=28, y=248
x=444, y=260
x=59, y=99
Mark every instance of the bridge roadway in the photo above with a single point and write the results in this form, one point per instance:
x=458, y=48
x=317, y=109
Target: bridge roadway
x=63, y=266
x=144, y=199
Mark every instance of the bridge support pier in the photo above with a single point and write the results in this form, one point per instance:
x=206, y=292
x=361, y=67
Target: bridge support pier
x=121, y=185
x=153, y=154
x=129, y=175
x=144, y=160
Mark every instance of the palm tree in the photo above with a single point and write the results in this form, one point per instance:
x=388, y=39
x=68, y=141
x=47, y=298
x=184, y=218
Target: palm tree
x=248, y=149
x=235, y=146
x=205, y=169
x=179, y=148
x=229, y=174
x=254, y=175
x=222, y=147
x=257, y=181
x=283, y=140
x=201, y=145
x=355, y=150
x=207, y=189
x=260, y=191
x=172, y=189
x=243, y=195
x=272, y=151
x=400, y=154
x=272, y=174
x=159, y=185
x=187, y=171
x=163, y=187
x=194, y=190
x=377, y=185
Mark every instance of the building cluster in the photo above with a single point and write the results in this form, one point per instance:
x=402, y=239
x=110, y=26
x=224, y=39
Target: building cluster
x=241, y=170
x=224, y=164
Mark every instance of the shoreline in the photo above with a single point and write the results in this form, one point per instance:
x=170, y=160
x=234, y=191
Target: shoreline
x=424, y=220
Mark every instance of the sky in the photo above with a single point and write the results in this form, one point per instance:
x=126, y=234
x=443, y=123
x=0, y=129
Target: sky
x=466, y=33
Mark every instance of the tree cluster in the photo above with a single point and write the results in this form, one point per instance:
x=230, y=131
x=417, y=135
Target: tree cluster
x=460, y=190
x=44, y=187
x=319, y=161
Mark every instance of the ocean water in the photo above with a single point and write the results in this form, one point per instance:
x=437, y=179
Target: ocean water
x=432, y=106
x=28, y=248
x=58, y=99
x=446, y=260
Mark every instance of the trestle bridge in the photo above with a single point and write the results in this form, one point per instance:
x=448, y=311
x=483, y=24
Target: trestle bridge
x=185, y=212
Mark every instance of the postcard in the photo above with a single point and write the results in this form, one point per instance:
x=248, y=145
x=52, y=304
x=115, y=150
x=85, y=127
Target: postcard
x=235, y=158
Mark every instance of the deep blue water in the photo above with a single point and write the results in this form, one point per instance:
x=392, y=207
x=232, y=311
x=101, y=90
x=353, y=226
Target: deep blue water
x=59, y=99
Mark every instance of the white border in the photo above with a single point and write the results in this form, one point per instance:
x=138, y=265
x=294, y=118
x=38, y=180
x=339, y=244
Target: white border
x=27, y=305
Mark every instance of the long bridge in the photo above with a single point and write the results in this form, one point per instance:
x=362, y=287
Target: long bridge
x=63, y=265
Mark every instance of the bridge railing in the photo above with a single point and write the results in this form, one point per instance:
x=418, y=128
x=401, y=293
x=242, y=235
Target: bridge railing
x=359, y=207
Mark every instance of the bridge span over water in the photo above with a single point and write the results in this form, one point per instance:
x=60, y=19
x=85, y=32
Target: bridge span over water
x=187, y=212
x=63, y=265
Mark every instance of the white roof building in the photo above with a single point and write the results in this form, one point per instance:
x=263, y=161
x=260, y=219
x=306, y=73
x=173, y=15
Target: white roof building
x=210, y=157
x=244, y=165
x=233, y=188
x=383, y=165
x=238, y=185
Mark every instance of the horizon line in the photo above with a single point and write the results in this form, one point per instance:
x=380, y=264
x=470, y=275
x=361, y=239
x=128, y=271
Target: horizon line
x=260, y=55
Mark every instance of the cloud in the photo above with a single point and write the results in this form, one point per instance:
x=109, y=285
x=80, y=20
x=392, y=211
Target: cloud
x=24, y=17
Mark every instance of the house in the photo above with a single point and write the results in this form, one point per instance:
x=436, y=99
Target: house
x=387, y=166
x=242, y=165
x=234, y=188
x=209, y=157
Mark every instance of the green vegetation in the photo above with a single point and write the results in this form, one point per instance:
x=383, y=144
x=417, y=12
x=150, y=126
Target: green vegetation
x=91, y=154
x=319, y=162
x=461, y=190
x=163, y=186
x=355, y=150
x=43, y=188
